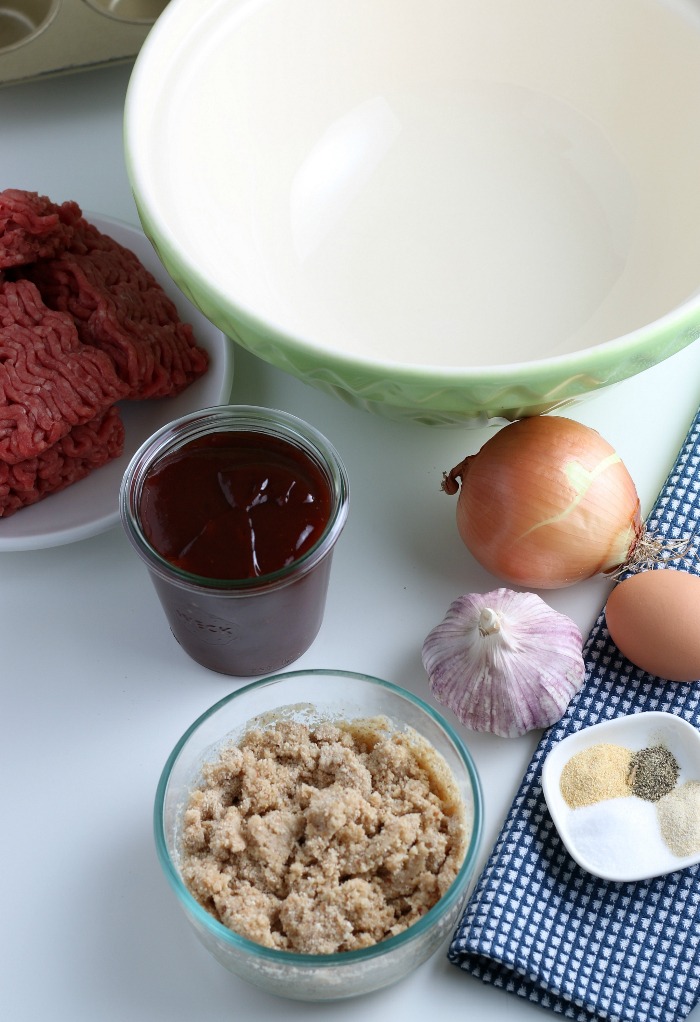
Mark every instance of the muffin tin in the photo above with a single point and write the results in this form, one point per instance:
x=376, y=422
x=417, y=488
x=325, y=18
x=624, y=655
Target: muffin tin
x=47, y=37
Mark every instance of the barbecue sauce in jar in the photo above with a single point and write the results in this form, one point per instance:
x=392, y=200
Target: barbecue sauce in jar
x=235, y=511
x=234, y=505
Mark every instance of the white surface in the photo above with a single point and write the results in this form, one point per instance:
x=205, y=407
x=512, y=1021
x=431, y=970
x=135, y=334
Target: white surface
x=630, y=860
x=90, y=506
x=95, y=692
x=508, y=179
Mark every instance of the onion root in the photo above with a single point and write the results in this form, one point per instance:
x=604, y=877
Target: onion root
x=650, y=550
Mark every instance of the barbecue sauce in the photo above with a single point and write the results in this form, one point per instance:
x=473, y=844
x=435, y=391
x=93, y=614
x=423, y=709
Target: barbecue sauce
x=234, y=505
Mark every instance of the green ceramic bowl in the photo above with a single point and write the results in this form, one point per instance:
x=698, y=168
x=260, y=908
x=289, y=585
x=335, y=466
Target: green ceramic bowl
x=446, y=212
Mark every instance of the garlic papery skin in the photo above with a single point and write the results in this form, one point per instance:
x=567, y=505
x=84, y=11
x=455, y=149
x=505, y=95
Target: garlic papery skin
x=504, y=662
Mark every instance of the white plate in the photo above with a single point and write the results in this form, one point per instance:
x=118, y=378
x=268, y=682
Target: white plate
x=649, y=857
x=90, y=506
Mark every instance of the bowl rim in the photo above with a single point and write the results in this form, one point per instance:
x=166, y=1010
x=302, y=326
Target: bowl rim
x=229, y=937
x=679, y=322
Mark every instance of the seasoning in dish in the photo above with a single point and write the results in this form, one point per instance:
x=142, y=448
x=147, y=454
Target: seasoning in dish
x=653, y=773
x=679, y=817
x=597, y=773
x=625, y=805
x=621, y=838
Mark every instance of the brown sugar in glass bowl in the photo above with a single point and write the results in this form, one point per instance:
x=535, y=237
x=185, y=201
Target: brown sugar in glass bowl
x=327, y=702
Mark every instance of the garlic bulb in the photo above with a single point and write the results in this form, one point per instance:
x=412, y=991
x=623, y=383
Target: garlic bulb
x=504, y=662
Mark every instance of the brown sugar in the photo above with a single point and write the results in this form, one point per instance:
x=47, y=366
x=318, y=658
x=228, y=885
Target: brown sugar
x=325, y=838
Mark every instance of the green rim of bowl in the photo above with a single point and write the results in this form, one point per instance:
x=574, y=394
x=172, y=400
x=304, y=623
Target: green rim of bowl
x=454, y=892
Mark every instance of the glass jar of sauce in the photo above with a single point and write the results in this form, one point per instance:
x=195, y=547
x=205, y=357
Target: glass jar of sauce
x=235, y=511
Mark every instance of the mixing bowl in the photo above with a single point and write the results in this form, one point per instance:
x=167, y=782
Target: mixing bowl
x=447, y=212
x=310, y=697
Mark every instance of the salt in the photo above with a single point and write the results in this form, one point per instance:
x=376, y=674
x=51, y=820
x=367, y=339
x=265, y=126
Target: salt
x=620, y=836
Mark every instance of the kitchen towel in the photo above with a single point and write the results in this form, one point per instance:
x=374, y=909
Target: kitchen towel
x=539, y=926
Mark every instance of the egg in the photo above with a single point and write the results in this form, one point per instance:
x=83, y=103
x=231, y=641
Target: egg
x=653, y=618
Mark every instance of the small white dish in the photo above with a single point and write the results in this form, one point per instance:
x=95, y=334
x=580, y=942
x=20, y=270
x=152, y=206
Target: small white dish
x=645, y=853
x=90, y=506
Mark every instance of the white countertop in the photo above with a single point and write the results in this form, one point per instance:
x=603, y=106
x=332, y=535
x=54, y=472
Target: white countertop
x=95, y=692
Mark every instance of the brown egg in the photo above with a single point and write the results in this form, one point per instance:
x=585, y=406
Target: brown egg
x=654, y=619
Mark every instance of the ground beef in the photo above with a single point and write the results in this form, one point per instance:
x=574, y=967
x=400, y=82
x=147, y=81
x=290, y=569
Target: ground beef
x=49, y=381
x=83, y=325
x=120, y=308
x=33, y=227
x=85, y=448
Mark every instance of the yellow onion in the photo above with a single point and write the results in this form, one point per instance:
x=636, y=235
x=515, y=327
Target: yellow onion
x=545, y=503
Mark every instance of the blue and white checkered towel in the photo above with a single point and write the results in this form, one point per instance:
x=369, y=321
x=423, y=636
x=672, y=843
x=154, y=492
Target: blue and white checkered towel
x=538, y=925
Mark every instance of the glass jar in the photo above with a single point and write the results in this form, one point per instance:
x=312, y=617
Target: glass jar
x=241, y=626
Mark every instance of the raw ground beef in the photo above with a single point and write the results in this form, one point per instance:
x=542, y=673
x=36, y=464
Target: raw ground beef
x=84, y=448
x=83, y=325
x=49, y=381
x=120, y=308
x=33, y=227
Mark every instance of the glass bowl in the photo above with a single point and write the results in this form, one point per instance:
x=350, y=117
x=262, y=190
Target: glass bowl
x=312, y=696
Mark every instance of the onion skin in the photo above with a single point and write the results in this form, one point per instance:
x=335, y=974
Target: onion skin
x=546, y=503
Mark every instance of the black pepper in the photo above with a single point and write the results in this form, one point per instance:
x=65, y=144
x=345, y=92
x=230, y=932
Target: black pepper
x=653, y=773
